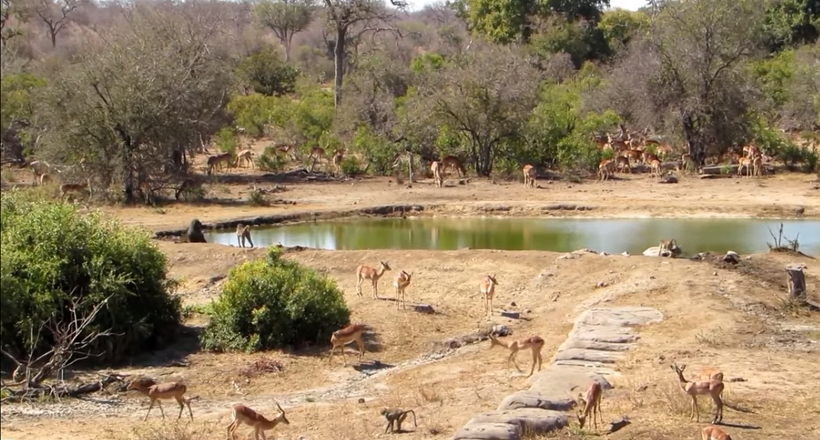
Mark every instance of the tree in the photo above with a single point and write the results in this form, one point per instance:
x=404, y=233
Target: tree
x=687, y=76
x=129, y=122
x=55, y=15
x=619, y=26
x=265, y=72
x=343, y=15
x=285, y=18
x=503, y=21
x=791, y=23
x=486, y=95
x=11, y=12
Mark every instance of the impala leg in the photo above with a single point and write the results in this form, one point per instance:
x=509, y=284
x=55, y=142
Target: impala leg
x=512, y=359
x=149, y=410
x=534, y=360
x=360, y=344
x=181, y=403
x=159, y=403
x=232, y=428
x=344, y=359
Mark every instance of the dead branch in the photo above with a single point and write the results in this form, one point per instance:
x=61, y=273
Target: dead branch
x=778, y=246
x=71, y=342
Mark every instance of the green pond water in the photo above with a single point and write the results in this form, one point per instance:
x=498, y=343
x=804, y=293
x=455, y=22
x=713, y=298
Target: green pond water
x=562, y=235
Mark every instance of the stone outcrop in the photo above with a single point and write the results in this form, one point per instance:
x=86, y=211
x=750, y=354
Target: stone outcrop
x=598, y=339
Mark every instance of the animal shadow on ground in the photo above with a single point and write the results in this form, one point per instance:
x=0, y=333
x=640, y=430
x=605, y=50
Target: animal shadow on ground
x=739, y=425
x=376, y=365
x=174, y=355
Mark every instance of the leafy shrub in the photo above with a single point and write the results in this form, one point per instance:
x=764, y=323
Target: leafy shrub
x=272, y=303
x=51, y=253
x=226, y=140
x=792, y=155
x=257, y=198
x=270, y=160
x=350, y=166
x=267, y=73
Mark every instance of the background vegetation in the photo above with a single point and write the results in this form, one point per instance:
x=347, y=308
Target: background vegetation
x=136, y=88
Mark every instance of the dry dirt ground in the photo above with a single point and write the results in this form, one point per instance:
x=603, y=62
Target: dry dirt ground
x=717, y=315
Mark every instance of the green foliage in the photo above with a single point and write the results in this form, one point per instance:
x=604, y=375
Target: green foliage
x=350, y=166
x=773, y=75
x=378, y=152
x=16, y=104
x=227, y=140
x=270, y=160
x=791, y=22
x=619, y=26
x=560, y=132
x=427, y=62
x=51, y=253
x=255, y=112
x=273, y=303
x=266, y=73
x=312, y=116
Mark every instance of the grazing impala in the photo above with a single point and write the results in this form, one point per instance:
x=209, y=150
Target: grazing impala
x=622, y=163
x=712, y=432
x=364, y=272
x=340, y=338
x=591, y=404
x=244, y=156
x=605, y=169
x=529, y=176
x=162, y=391
x=338, y=156
x=450, y=162
x=241, y=414
x=218, y=161
x=534, y=343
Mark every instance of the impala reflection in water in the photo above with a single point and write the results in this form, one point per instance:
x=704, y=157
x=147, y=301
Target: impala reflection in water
x=562, y=235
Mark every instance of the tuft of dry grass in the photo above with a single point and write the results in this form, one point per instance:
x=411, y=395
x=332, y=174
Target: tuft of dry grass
x=172, y=432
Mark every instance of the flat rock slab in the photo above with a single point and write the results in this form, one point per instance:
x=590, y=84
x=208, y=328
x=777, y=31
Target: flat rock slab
x=529, y=420
x=599, y=338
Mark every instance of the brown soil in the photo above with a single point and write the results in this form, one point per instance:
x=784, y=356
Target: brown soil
x=719, y=315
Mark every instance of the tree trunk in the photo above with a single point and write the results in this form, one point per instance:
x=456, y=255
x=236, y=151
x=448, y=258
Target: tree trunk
x=696, y=148
x=797, y=281
x=288, y=41
x=53, y=39
x=339, y=64
x=410, y=166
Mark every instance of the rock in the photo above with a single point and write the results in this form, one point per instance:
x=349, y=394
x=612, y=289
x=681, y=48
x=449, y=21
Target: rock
x=599, y=337
x=509, y=314
x=452, y=343
x=424, y=308
x=501, y=330
x=361, y=399
x=513, y=304
x=669, y=178
x=731, y=257
x=655, y=251
x=601, y=284
x=625, y=254
x=800, y=211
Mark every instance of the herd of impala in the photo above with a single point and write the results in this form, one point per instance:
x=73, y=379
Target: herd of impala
x=710, y=384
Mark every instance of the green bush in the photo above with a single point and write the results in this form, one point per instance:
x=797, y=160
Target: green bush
x=227, y=140
x=350, y=166
x=273, y=303
x=51, y=254
x=270, y=160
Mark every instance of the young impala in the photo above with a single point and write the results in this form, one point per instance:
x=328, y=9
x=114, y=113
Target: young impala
x=162, y=391
x=342, y=337
x=241, y=414
x=364, y=272
x=534, y=343
x=591, y=404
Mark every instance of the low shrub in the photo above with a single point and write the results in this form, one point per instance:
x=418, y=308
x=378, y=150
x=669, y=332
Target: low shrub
x=52, y=254
x=273, y=303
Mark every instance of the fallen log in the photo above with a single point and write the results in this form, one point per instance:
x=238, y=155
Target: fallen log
x=61, y=390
